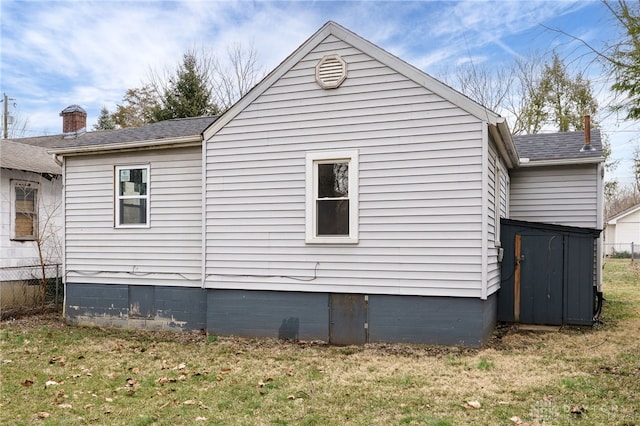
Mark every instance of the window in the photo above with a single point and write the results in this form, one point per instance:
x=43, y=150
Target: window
x=132, y=197
x=25, y=207
x=332, y=197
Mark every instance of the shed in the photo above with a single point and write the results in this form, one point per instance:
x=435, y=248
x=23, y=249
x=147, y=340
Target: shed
x=547, y=274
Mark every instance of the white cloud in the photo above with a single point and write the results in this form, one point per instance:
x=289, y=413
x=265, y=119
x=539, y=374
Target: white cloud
x=89, y=53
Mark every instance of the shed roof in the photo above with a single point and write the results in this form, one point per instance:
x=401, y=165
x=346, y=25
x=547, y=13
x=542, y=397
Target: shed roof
x=559, y=146
x=20, y=156
x=160, y=131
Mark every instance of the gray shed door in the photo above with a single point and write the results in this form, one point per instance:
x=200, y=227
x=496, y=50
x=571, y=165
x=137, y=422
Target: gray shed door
x=348, y=319
x=542, y=274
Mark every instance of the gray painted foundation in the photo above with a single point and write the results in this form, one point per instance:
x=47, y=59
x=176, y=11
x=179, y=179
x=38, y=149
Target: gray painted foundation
x=284, y=315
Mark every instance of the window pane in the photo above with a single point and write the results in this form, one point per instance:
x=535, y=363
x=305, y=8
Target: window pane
x=25, y=199
x=133, y=211
x=333, y=217
x=333, y=180
x=24, y=225
x=133, y=182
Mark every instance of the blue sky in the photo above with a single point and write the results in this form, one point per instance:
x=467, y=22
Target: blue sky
x=58, y=53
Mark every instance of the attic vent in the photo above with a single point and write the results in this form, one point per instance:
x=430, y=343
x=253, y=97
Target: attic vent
x=331, y=71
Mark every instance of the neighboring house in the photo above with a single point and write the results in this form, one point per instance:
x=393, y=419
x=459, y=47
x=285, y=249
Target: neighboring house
x=623, y=230
x=348, y=197
x=30, y=206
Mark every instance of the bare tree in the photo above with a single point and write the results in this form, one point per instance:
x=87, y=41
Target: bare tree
x=235, y=77
x=38, y=213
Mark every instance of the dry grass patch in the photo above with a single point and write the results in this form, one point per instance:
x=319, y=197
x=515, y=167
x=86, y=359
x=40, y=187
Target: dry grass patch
x=52, y=373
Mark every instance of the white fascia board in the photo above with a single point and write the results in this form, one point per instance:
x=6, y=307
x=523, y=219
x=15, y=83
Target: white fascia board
x=562, y=162
x=128, y=146
x=614, y=219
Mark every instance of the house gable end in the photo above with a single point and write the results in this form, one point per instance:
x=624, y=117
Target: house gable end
x=379, y=54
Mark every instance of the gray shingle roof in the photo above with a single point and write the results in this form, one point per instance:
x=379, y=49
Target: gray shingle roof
x=556, y=146
x=176, y=128
x=19, y=156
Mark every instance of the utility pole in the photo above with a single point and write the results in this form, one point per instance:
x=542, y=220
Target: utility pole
x=5, y=116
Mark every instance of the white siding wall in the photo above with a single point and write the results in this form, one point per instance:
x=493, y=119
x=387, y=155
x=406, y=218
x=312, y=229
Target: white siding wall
x=25, y=253
x=166, y=253
x=498, y=189
x=627, y=230
x=562, y=195
x=420, y=186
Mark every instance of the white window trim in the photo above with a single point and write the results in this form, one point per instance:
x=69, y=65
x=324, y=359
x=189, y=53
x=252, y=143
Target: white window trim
x=117, y=196
x=36, y=207
x=313, y=158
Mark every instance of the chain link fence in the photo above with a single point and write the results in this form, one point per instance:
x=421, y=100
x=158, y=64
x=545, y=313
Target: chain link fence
x=26, y=289
x=622, y=251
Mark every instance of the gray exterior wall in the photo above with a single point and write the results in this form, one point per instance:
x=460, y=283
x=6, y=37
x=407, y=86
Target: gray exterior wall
x=168, y=252
x=562, y=195
x=277, y=314
x=431, y=320
x=422, y=190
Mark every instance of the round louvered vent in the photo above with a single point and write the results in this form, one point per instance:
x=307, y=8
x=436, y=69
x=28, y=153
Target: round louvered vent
x=331, y=71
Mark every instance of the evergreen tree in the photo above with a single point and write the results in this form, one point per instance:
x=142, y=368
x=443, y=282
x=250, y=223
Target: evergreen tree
x=187, y=94
x=557, y=99
x=105, y=121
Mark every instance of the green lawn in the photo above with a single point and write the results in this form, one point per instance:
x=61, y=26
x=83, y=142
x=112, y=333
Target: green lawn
x=55, y=374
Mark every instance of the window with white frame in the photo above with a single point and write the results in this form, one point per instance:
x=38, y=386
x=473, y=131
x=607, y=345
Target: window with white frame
x=132, y=196
x=24, y=223
x=332, y=197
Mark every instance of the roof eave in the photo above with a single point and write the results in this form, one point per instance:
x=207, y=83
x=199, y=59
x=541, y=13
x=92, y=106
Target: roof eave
x=622, y=214
x=507, y=147
x=184, y=141
x=561, y=162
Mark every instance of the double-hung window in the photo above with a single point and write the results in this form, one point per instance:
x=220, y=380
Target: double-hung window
x=24, y=223
x=332, y=197
x=132, y=196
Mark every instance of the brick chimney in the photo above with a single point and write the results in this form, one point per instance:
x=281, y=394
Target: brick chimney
x=74, y=120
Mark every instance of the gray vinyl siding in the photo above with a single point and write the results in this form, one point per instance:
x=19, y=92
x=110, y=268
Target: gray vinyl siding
x=420, y=186
x=497, y=188
x=166, y=253
x=564, y=195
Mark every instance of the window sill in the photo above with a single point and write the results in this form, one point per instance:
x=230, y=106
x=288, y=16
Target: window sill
x=332, y=240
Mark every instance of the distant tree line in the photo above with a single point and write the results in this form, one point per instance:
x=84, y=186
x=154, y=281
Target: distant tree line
x=200, y=85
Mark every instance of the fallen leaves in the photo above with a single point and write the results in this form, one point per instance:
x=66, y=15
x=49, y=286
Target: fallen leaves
x=51, y=383
x=60, y=360
x=475, y=405
x=517, y=421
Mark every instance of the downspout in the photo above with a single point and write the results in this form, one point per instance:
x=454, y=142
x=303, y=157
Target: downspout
x=64, y=234
x=203, y=249
x=485, y=212
x=599, y=223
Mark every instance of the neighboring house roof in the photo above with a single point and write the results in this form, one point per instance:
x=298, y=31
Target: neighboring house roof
x=558, y=148
x=498, y=125
x=19, y=156
x=613, y=219
x=168, y=132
